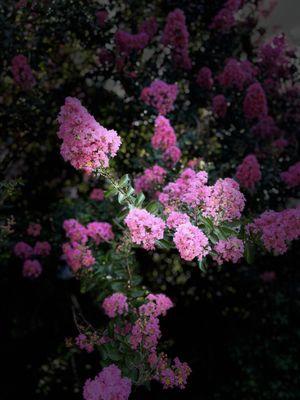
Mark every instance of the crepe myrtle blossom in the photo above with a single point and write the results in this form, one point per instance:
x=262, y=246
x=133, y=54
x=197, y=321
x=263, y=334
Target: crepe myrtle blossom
x=78, y=256
x=151, y=177
x=116, y=304
x=223, y=201
x=160, y=95
x=108, y=385
x=229, y=250
x=156, y=305
x=22, y=72
x=291, y=177
x=34, y=229
x=164, y=135
x=23, y=250
x=236, y=74
x=176, y=36
x=248, y=172
x=86, y=144
x=144, y=228
x=175, y=219
x=42, y=249
x=255, y=102
x=32, y=269
x=204, y=78
x=277, y=229
x=127, y=42
x=219, y=105
x=171, y=376
x=75, y=231
x=97, y=194
x=191, y=242
x=100, y=232
x=171, y=155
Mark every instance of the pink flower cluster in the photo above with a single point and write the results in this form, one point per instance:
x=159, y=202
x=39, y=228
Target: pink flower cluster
x=229, y=250
x=172, y=376
x=292, y=176
x=248, y=172
x=224, y=201
x=177, y=218
x=157, y=305
x=146, y=332
x=277, y=229
x=42, y=249
x=34, y=229
x=101, y=17
x=176, y=36
x=274, y=57
x=266, y=128
x=189, y=188
x=225, y=19
x=255, y=102
x=77, y=255
x=23, y=250
x=97, y=194
x=75, y=231
x=144, y=228
x=116, y=304
x=76, y=252
x=219, y=105
x=160, y=95
x=107, y=385
x=149, y=26
x=22, y=72
x=86, y=144
x=127, y=42
x=100, y=232
x=164, y=135
x=204, y=78
x=236, y=74
x=191, y=242
x=164, y=139
x=150, y=179
x=84, y=343
x=32, y=269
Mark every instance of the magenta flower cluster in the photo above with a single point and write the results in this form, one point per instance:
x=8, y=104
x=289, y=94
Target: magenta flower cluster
x=164, y=139
x=145, y=228
x=150, y=179
x=229, y=250
x=86, y=144
x=76, y=253
x=32, y=268
x=291, y=177
x=160, y=95
x=277, y=229
x=22, y=72
x=107, y=385
x=116, y=304
x=248, y=172
x=176, y=36
x=191, y=242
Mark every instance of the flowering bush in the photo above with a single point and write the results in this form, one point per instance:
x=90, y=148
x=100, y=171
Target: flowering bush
x=182, y=135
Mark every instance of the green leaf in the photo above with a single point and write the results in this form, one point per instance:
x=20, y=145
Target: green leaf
x=152, y=207
x=249, y=253
x=112, y=191
x=202, y=265
x=164, y=244
x=124, y=181
x=140, y=199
